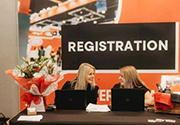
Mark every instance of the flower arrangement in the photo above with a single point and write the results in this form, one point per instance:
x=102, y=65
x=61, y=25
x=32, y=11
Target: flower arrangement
x=38, y=79
x=30, y=70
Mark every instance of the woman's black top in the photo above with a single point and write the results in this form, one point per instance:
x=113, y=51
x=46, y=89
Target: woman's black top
x=91, y=95
x=116, y=86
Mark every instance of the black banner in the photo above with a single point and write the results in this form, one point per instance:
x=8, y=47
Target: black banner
x=147, y=46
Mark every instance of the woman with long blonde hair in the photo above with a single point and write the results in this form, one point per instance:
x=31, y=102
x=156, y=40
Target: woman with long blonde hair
x=85, y=81
x=130, y=79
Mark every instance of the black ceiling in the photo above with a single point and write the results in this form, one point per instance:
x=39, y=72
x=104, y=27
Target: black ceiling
x=37, y=5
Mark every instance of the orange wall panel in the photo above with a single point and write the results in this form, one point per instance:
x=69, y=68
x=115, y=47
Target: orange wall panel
x=24, y=6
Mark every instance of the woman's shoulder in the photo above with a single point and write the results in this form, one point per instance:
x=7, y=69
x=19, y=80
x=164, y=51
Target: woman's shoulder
x=67, y=85
x=143, y=88
x=96, y=87
x=117, y=85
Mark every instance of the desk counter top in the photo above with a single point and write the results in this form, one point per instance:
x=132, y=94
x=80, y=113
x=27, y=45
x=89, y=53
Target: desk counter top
x=81, y=117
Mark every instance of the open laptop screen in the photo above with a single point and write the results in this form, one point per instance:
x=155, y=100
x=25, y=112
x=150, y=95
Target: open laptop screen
x=127, y=99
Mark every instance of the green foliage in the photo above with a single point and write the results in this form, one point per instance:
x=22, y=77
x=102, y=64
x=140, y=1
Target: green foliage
x=36, y=66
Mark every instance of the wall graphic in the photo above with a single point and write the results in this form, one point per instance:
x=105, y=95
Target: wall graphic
x=120, y=30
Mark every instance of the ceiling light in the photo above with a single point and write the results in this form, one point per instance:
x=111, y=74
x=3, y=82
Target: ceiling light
x=72, y=4
x=84, y=21
x=43, y=11
x=63, y=21
x=81, y=17
x=61, y=9
x=94, y=22
x=103, y=12
x=48, y=8
x=78, y=19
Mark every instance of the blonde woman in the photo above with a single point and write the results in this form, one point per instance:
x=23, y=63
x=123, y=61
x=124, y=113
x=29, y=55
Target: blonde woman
x=85, y=81
x=130, y=79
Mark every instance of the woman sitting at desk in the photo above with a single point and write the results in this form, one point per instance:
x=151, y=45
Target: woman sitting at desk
x=85, y=81
x=130, y=79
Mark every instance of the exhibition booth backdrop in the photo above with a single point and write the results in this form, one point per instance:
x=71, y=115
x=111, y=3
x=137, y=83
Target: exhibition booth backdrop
x=108, y=34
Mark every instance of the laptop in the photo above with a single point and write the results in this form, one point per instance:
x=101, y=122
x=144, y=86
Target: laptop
x=127, y=99
x=70, y=99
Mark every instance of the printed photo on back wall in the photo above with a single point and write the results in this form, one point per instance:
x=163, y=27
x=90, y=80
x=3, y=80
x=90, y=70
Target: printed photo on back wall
x=40, y=27
x=109, y=34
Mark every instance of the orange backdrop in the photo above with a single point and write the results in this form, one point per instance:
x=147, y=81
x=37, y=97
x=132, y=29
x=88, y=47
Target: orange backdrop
x=133, y=11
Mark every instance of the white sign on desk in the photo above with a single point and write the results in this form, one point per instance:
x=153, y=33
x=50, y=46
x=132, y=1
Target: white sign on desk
x=30, y=118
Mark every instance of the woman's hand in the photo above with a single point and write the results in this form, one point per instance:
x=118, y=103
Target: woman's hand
x=149, y=99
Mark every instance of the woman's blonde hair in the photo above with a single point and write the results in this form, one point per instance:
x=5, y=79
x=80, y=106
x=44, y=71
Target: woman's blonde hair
x=81, y=77
x=131, y=77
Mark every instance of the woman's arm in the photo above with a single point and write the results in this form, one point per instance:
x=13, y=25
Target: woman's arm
x=149, y=99
x=92, y=95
